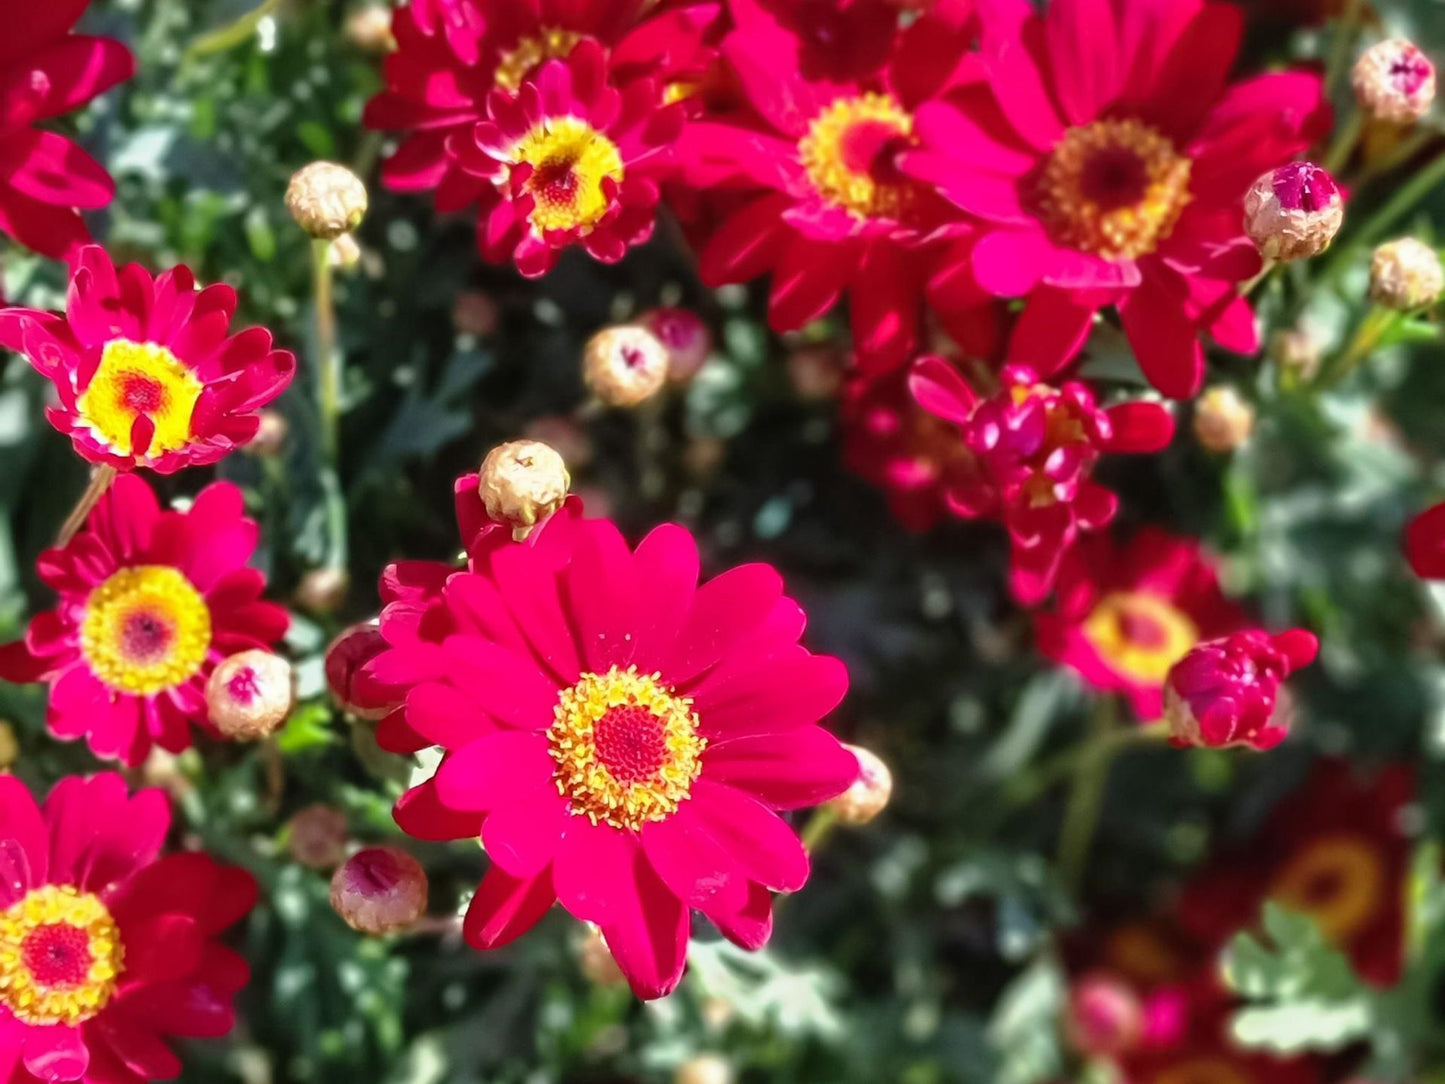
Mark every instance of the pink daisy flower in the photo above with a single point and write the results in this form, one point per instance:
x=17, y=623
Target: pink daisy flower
x=45, y=72
x=622, y=740
x=1126, y=614
x=150, y=602
x=146, y=373
x=1034, y=448
x=1106, y=161
x=106, y=948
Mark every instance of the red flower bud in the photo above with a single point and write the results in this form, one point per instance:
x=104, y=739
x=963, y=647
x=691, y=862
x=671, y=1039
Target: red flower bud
x=379, y=889
x=1227, y=692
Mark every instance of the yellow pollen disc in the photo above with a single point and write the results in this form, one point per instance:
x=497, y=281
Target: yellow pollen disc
x=569, y=160
x=848, y=153
x=1114, y=188
x=627, y=748
x=60, y=956
x=145, y=629
x=1339, y=881
x=530, y=53
x=140, y=379
x=1201, y=1071
x=1140, y=635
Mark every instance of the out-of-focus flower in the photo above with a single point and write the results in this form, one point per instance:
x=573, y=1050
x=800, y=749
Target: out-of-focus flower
x=46, y=71
x=625, y=365
x=1228, y=692
x=816, y=372
x=522, y=483
x=602, y=716
x=1223, y=419
x=318, y=837
x=323, y=590
x=368, y=28
x=868, y=795
x=475, y=313
x=346, y=659
x=1293, y=212
x=1394, y=81
x=326, y=200
x=595, y=959
x=1126, y=614
x=1106, y=160
x=107, y=949
x=1297, y=352
x=704, y=1069
x=687, y=338
x=1406, y=274
x=144, y=369
x=250, y=694
x=150, y=601
x=379, y=890
x=271, y=434
x=1104, y=1017
x=1034, y=448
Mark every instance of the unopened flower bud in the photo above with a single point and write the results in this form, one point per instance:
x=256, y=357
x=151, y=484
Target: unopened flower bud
x=704, y=1069
x=345, y=253
x=379, y=889
x=687, y=338
x=368, y=28
x=1104, y=1017
x=1228, y=692
x=1293, y=212
x=625, y=365
x=1223, y=420
x=595, y=959
x=9, y=746
x=346, y=655
x=270, y=438
x=475, y=313
x=323, y=590
x=1297, y=352
x=869, y=794
x=1394, y=81
x=319, y=835
x=815, y=372
x=250, y=694
x=326, y=200
x=1406, y=274
x=521, y=483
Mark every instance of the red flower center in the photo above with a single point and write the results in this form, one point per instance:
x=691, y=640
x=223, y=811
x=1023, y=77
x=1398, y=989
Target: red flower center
x=631, y=743
x=57, y=955
x=146, y=636
x=142, y=394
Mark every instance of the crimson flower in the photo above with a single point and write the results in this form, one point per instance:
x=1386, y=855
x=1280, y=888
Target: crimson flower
x=1226, y=692
x=46, y=71
x=150, y=601
x=1106, y=161
x=107, y=949
x=1425, y=543
x=146, y=373
x=1033, y=450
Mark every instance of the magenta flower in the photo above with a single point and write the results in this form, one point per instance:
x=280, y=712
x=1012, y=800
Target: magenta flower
x=1228, y=692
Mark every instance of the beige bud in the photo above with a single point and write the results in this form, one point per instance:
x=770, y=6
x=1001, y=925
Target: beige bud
x=870, y=792
x=379, y=889
x=323, y=590
x=1223, y=420
x=368, y=28
x=625, y=365
x=1293, y=212
x=1394, y=81
x=250, y=694
x=271, y=434
x=1406, y=274
x=9, y=746
x=345, y=254
x=704, y=1069
x=595, y=959
x=521, y=483
x=326, y=200
x=1297, y=352
x=815, y=372
x=319, y=835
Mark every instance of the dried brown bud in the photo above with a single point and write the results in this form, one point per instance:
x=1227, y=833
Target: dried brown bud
x=326, y=200
x=1394, y=81
x=521, y=483
x=270, y=438
x=704, y=1069
x=869, y=794
x=595, y=959
x=368, y=28
x=379, y=889
x=1406, y=274
x=687, y=338
x=9, y=746
x=250, y=694
x=1223, y=420
x=1297, y=352
x=1293, y=212
x=352, y=649
x=319, y=835
x=475, y=313
x=323, y=590
x=625, y=365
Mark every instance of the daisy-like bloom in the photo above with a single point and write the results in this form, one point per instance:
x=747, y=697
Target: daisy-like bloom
x=821, y=203
x=150, y=602
x=106, y=948
x=46, y=71
x=451, y=55
x=1033, y=449
x=1107, y=163
x=1230, y=691
x=1126, y=614
x=569, y=160
x=621, y=738
x=146, y=373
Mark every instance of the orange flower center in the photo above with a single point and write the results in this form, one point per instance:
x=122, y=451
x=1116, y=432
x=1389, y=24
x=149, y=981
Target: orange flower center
x=1202, y=1071
x=60, y=956
x=146, y=629
x=1338, y=880
x=1140, y=635
x=137, y=380
x=1114, y=188
x=531, y=53
x=570, y=160
x=849, y=154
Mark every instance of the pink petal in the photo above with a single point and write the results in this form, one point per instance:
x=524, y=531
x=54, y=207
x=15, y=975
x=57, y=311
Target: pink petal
x=601, y=589
x=523, y=838
x=750, y=926
x=940, y=389
x=791, y=770
x=506, y=907
x=420, y=814
x=667, y=571
x=507, y=686
x=648, y=931
x=763, y=845
x=696, y=868
x=788, y=691
x=498, y=770
x=724, y=611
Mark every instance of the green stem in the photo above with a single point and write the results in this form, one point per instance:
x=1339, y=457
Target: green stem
x=328, y=393
x=1086, y=796
x=1027, y=788
x=1420, y=185
x=1344, y=38
x=233, y=33
x=1398, y=155
x=1373, y=328
x=1253, y=284
x=819, y=828
x=1347, y=136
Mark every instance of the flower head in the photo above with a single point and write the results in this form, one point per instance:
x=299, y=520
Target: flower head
x=621, y=738
x=687, y=338
x=144, y=369
x=379, y=890
x=870, y=793
x=1228, y=691
x=625, y=365
x=1406, y=274
x=1394, y=81
x=250, y=694
x=523, y=482
x=1223, y=419
x=150, y=601
x=106, y=948
x=1293, y=212
x=327, y=200
x=1033, y=450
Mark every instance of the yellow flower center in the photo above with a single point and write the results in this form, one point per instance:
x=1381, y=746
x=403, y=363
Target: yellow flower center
x=137, y=380
x=1140, y=635
x=627, y=748
x=531, y=53
x=60, y=956
x=570, y=159
x=849, y=154
x=1339, y=881
x=1140, y=953
x=1114, y=188
x=1201, y=1071
x=145, y=629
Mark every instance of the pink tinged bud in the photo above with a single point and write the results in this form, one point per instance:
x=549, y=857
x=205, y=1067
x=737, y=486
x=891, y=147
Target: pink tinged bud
x=870, y=792
x=686, y=336
x=351, y=690
x=250, y=694
x=319, y=835
x=1394, y=81
x=625, y=365
x=1105, y=1018
x=1228, y=692
x=1293, y=212
x=379, y=889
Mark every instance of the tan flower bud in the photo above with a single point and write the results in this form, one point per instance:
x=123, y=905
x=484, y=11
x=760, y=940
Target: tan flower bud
x=9, y=746
x=379, y=889
x=250, y=694
x=625, y=365
x=368, y=28
x=1223, y=420
x=521, y=483
x=1293, y=212
x=475, y=313
x=1297, y=352
x=687, y=338
x=326, y=200
x=323, y=590
x=352, y=649
x=345, y=254
x=1394, y=81
x=319, y=835
x=595, y=959
x=1406, y=274
x=816, y=373
x=704, y=1069
x=271, y=434
x=869, y=794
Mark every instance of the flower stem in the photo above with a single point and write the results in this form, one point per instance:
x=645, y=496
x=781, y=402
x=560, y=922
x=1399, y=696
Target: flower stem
x=1345, y=31
x=1086, y=795
x=819, y=828
x=100, y=480
x=233, y=33
x=1373, y=328
x=1347, y=136
x=328, y=393
x=1420, y=185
